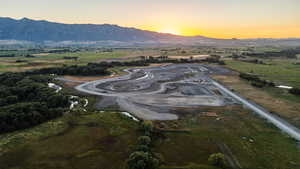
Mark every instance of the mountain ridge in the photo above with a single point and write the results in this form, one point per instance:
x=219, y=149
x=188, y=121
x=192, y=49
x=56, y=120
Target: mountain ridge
x=26, y=31
x=42, y=30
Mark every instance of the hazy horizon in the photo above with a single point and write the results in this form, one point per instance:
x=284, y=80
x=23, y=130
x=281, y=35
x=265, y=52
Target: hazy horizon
x=211, y=18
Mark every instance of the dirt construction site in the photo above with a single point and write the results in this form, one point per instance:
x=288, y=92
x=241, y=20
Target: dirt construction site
x=155, y=93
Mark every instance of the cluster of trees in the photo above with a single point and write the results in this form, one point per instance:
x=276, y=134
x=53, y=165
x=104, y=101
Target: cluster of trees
x=73, y=70
x=89, y=69
x=143, y=157
x=71, y=58
x=288, y=53
x=295, y=91
x=29, y=56
x=255, y=61
x=26, y=100
x=166, y=59
x=16, y=55
x=8, y=55
x=256, y=81
x=215, y=59
x=66, y=50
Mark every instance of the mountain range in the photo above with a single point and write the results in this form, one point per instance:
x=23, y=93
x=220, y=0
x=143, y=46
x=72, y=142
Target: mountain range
x=45, y=32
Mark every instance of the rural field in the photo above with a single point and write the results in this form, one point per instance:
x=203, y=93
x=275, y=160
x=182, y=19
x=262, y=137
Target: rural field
x=279, y=101
x=194, y=84
x=192, y=118
x=75, y=141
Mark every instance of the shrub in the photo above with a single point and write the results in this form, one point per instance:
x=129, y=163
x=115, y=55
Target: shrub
x=295, y=91
x=217, y=159
x=144, y=140
x=142, y=160
x=147, y=128
x=257, y=84
x=143, y=148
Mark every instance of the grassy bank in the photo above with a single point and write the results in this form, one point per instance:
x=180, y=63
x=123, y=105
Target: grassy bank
x=99, y=140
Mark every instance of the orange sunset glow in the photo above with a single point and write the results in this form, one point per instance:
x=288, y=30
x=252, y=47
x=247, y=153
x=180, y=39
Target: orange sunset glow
x=212, y=18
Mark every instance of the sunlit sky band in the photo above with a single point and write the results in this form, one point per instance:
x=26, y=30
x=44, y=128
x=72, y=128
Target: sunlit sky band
x=212, y=18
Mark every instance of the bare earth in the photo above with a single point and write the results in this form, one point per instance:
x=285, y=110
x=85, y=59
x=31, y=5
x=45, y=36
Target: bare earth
x=152, y=93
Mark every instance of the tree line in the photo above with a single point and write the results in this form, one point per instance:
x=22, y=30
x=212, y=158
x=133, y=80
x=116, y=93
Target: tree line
x=143, y=157
x=256, y=81
x=102, y=67
x=85, y=70
x=288, y=53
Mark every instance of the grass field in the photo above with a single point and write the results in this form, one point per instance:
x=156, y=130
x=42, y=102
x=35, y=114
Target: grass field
x=41, y=60
x=105, y=140
x=99, y=140
x=84, y=56
x=278, y=101
x=51, y=60
x=253, y=142
x=283, y=72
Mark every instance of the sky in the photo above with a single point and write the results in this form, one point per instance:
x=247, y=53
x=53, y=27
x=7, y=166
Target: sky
x=211, y=18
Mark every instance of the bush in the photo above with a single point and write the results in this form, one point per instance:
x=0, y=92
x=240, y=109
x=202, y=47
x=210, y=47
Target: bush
x=147, y=128
x=142, y=160
x=217, y=159
x=144, y=140
x=143, y=148
x=258, y=84
x=295, y=91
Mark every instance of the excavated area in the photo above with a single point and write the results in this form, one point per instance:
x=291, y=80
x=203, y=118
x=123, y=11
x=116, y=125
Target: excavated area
x=154, y=93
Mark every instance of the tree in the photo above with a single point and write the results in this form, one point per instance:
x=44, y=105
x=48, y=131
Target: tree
x=144, y=140
x=143, y=148
x=142, y=160
x=147, y=127
x=217, y=159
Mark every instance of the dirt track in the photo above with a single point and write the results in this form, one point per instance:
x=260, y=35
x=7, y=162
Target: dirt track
x=150, y=93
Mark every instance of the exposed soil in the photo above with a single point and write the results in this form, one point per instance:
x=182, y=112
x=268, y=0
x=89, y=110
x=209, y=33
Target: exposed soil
x=151, y=93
